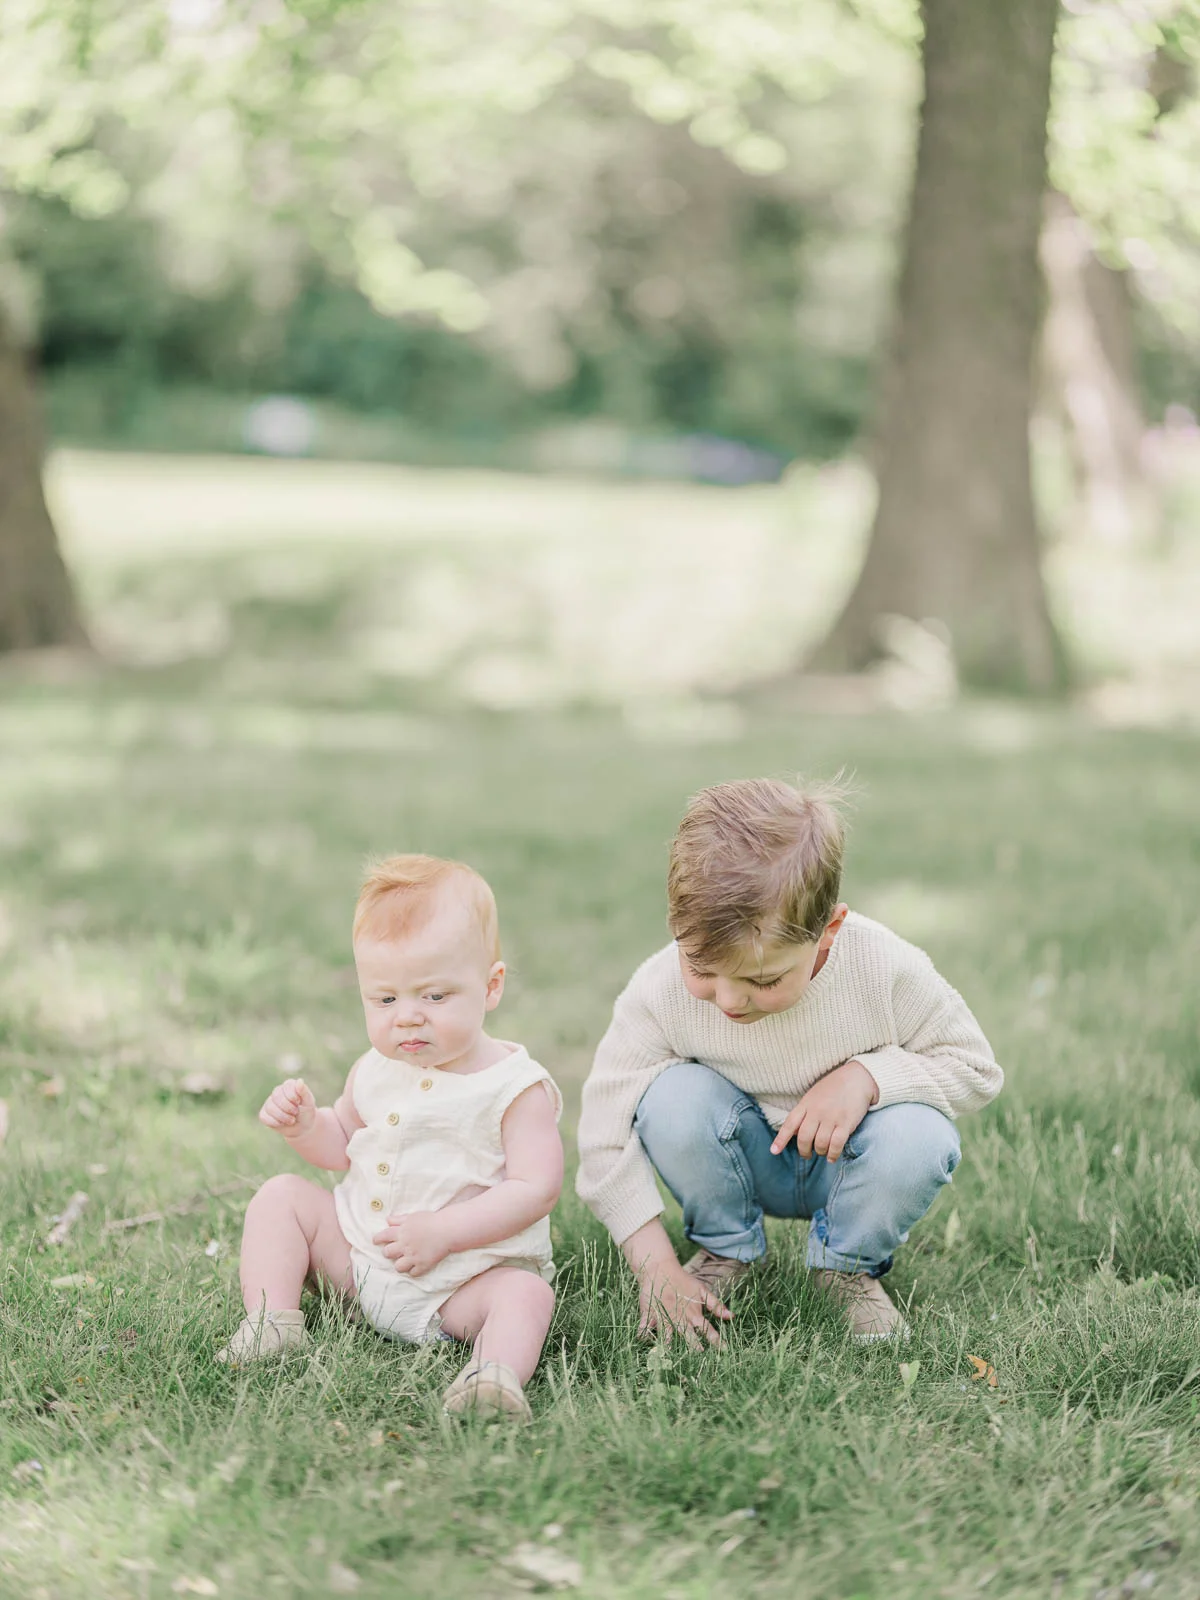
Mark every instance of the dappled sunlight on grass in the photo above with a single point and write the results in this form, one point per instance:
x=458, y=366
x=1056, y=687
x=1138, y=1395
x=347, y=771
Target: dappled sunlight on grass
x=503, y=592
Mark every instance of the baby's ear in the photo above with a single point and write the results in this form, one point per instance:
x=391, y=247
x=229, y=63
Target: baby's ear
x=495, y=984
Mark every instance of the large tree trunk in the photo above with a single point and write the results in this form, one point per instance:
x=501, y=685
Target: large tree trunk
x=37, y=604
x=955, y=535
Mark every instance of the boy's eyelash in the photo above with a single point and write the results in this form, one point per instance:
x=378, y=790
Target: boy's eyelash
x=774, y=983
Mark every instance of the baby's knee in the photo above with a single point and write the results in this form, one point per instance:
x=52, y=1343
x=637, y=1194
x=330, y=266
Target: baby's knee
x=524, y=1293
x=286, y=1191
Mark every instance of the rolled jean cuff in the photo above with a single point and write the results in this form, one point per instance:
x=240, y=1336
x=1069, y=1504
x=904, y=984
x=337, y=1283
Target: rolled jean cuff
x=749, y=1245
x=821, y=1254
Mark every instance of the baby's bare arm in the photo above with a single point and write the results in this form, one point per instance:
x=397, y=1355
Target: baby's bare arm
x=533, y=1159
x=319, y=1134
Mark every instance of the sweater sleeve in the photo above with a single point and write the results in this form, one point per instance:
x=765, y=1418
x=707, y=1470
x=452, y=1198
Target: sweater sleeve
x=941, y=1057
x=615, y=1177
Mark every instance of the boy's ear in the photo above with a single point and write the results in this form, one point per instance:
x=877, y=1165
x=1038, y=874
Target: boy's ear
x=495, y=984
x=840, y=912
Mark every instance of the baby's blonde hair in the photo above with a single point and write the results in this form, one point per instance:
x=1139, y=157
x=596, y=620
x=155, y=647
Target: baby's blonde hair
x=398, y=894
x=754, y=860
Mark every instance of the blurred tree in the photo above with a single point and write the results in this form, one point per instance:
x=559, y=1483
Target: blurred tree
x=955, y=536
x=37, y=604
x=715, y=262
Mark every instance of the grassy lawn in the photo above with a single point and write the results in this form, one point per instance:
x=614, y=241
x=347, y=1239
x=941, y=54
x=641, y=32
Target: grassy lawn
x=181, y=846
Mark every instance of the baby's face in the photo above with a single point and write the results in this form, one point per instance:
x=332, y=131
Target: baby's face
x=759, y=980
x=425, y=996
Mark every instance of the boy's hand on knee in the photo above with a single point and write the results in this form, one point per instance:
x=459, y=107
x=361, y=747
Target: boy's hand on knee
x=415, y=1240
x=289, y=1109
x=673, y=1301
x=824, y=1118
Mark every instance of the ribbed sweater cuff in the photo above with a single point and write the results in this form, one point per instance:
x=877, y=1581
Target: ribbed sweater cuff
x=901, y=1076
x=626, y=1207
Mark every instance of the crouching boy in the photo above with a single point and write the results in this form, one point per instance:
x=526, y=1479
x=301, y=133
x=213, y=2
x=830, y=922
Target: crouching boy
x=783, y=1056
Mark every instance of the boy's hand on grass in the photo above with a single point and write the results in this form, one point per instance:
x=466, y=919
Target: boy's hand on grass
x=672, y=1301
x=290, y=1109
x=824, y=1118
x=415, y=1240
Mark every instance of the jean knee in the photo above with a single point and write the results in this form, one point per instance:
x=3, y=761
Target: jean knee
x=915, y=1142
x=688, y=1102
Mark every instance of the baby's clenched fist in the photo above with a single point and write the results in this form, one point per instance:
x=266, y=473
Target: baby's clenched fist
x=290, y=1109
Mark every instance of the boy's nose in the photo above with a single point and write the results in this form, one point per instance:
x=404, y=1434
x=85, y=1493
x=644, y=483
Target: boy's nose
x=730, y=996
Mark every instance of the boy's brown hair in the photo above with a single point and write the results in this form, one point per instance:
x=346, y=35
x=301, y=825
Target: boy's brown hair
x=398, y=894
x=754, y=860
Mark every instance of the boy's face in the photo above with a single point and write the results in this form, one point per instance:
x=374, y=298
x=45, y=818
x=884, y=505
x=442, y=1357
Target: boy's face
x=761, y=979
x=425, y=995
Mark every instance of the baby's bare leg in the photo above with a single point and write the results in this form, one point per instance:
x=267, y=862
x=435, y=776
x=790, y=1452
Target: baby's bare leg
x=507, y=1313
x=291, y=1234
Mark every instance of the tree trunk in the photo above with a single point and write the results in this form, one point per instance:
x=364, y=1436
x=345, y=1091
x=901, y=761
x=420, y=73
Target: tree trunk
x=955, y=536
x=1089, y=381
x=37, y=603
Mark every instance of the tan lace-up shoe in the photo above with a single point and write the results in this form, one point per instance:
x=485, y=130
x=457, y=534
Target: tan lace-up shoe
x=869, y=1312
x=718, y=1273
x=487, y=1389
x=270, y=1333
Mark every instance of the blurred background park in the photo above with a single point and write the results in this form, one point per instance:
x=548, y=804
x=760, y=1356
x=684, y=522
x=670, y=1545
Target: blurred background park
x=475, y=425
x=706, y=358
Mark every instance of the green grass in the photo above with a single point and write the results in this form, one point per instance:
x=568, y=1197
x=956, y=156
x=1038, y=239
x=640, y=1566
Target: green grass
x=181, y=844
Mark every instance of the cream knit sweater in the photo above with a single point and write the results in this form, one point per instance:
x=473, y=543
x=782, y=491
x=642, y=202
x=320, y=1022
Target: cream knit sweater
x=877, y=999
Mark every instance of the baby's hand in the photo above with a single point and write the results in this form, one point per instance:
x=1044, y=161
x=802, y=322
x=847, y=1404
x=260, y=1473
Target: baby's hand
x=290, y=1109
x=415, y=1241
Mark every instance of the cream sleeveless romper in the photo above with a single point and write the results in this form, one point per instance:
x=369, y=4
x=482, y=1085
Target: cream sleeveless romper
x=428, y=1136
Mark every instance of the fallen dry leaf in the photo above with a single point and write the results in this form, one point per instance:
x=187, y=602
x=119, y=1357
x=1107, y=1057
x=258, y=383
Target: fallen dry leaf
x=51, y=1088
x=551, y=1567
x=342, y=1580
x=984, y=1369
x=194, y=1586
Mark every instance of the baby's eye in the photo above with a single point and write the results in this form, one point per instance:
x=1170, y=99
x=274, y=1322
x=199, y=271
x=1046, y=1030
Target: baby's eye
x=387, y=1000
x=435, y=995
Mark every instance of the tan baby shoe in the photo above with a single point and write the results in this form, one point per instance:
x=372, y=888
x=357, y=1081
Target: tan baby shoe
x=718, y=1273
x=869, y=1312
x=270, y=1333
x=488, y=1389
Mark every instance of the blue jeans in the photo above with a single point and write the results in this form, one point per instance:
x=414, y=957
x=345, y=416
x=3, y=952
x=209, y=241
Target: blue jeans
x=711, y=1145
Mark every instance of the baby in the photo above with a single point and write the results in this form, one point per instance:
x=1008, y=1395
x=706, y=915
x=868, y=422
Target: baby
x=450, y=1145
